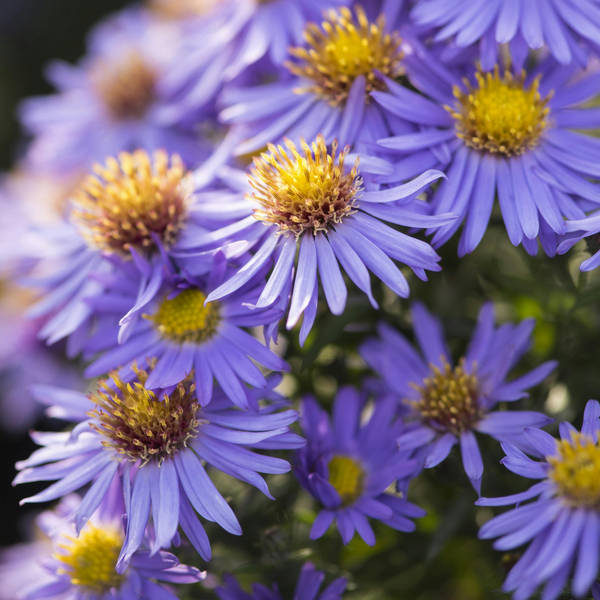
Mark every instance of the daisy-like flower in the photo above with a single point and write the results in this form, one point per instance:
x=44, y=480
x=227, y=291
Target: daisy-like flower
x=137, y=206
x=561, y=25
x=114, y=100
x=448, y=404
x=344, y=60
x=232, y=40
x=586, y=228
x=178, y=332
x=562, y=522
x=307, y=588
x=347, y=465
x=506, y=134
x=81, y=565
x=335, y=214
x=156, y=444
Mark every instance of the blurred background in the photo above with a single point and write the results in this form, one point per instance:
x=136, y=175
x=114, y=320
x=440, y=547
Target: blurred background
x=443, y=560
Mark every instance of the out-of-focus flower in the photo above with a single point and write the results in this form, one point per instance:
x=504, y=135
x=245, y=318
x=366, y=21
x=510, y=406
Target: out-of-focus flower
x=347, y=465
x=448, y=404
x=500, y=132
x=114, y=100
x=81, y=565
x=156, y=445
x=178, y=332
x=562, y=25
x=336, y=215
x=345, y=59
x=307, y=588
x=562, y=524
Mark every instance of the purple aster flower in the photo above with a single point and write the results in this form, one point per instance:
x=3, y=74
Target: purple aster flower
x=562, y=522
x=307, y=588
x=524, y=24
x=155, y=445
x=81, y=565
x=177, y=331
x=500, y=133
x=232, y=40
x=448, y=404
x=114, y=100
x=138, y=208
x=336, y=216
x=345, y=59
x=347, y=465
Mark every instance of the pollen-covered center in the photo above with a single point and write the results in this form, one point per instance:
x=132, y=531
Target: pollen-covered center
x=185, y=318
x=126, y=86
x=304, y=192
x=575, y=470
x=448, y=399
x=501, y=114
x=90, y=559
x=140, y=425
x=132, y=200
x=345, y=47
x=347, y=476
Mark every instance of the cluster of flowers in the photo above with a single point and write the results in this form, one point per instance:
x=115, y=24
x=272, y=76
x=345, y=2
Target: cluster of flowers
x=215, y=205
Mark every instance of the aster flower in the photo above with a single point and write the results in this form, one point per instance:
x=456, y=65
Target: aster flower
x=307, y=588
x=348, y=465
x=586, y=228
x=310, y=199
x=81, y=566
x=561, y=25
x=138, y=207
x=344, y=60
x=448, y=404
x=501, y=133
x=156, y=446
x=114, y=100
x=561, y=523
x=232, y=40
x=179, y=333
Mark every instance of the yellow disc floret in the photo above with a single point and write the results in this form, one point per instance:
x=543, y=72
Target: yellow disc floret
x=132, y=199
x=344, y=48
x=304, y=192
x=575, y=470
x=347, y=476
x=90, y=559
x=141, y=426
x=500, y=115
x=185, y=318
x=449, y=399
x=126, y=86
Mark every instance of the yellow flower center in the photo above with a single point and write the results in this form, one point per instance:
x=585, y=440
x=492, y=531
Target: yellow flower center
x=90, y=559
x=132, y=199
x=185, y=318
x=575, y=470
x=500, y=115
x=449, y=399
x=347, y=476
x=127, y=86
x=141, y=426
x=345, y=47
x=304, y=192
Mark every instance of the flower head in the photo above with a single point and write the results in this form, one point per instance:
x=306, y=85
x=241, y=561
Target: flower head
x=447, y=404
x=155, y=445
x=82, y=565
x=562, y=523
x=348, y=466
x=503, y=133
x=307, y=588
x=311, y=198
